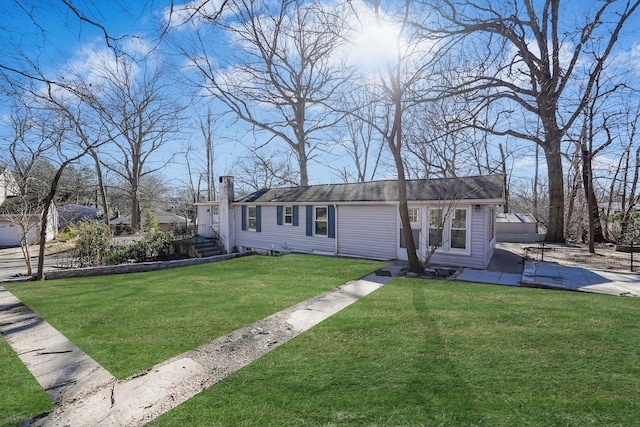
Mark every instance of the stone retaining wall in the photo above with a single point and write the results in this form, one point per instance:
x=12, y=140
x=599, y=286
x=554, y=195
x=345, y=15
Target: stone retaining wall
x=138, y=267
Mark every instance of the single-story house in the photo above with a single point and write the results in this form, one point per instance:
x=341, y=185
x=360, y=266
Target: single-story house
x=73, y=214
x=455, y=217
x=167, y=221
x=18, y=217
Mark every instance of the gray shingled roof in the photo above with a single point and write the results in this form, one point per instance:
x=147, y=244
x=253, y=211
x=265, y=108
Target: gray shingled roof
x=467, y=188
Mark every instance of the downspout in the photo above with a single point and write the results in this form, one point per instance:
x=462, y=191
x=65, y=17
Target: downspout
x=335, y=207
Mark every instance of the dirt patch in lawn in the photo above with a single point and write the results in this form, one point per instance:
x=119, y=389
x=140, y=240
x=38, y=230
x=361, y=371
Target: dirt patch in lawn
x=578, y=255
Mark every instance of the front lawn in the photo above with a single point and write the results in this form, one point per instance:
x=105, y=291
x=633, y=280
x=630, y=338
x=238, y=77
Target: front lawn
x=435, y=353
x=21, y=397
x=128, y=323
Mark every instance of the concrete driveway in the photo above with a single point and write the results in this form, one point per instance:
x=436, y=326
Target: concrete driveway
x=12, y=264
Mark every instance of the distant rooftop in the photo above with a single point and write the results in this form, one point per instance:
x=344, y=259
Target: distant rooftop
x=515, y=218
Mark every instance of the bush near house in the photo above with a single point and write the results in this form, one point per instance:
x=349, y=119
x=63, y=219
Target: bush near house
x=94, y=248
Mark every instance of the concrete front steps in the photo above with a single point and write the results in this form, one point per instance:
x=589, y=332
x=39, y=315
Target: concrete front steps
x=199, y=247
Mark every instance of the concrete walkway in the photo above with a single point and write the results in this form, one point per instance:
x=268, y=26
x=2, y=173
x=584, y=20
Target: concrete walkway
x=550, y=275
x=554, y=276
x=86, y=394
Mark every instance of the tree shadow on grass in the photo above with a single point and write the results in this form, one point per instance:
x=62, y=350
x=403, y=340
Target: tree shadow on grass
x=447, y=393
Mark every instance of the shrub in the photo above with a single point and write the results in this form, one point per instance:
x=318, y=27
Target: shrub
x=155, y=245
x=92, y=244
x=119, y=255
x=150, y=222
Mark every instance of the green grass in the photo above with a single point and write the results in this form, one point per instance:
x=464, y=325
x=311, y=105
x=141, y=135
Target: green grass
x=414, y=352
x=435, y=353
x=21, y=397
x=128, y=323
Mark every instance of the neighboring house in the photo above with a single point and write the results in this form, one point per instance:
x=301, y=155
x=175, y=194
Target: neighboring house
x=167, y=221
x=8, y=186
x=73, y=214
x=362, y=219
x=14, y=211
x=16, y=216
x=517, y=228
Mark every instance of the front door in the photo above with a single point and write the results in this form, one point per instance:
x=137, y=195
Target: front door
x=415, y=217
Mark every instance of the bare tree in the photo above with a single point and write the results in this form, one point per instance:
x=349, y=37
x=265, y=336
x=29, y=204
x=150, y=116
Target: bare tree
x=135, y=103
x=206, y=128
x=398, y=86
x=363, y=146
x=276, y=72
x=624, y=189
x=66, y=132
x=263, y=169
x=528, y=63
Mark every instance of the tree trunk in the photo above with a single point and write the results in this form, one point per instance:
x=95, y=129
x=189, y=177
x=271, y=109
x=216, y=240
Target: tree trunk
x=395, y=144
x=536, y=173
x=595, y=227
x=574, y=186
x=555, y=223
x=136, y=215
x=24, y=245
x=101, y=187
x=45, y=220
x=503, y=160
x=302, y=162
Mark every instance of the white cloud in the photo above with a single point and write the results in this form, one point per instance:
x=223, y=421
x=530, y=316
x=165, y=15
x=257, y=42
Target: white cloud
x=192, y=14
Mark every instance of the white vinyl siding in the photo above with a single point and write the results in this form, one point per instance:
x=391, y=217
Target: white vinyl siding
x=367, y=231
x=277, y=238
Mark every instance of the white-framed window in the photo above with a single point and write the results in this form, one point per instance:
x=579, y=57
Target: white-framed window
x=252, y=218
x=414, y=219
x=436, y=225
x=458, y=230
x=214, y=210
x=288, y=214
x=321, y=221
x=414, y=215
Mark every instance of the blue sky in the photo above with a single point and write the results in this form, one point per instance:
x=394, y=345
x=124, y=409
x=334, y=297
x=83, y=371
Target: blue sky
x=54, y=35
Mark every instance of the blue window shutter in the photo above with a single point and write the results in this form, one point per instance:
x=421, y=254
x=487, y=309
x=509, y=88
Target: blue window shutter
x=331, y=218
x=309, y=220
x=279, y=215
x=295, y=216
x=258, y=217
x=244, y=218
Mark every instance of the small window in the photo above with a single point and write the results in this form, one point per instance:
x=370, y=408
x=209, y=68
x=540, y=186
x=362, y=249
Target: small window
x=251, y=218
x=214, y=210
x=435, y=227
x=321, y=222
x=459, y=229
x=288, y=214
x=414, y=215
